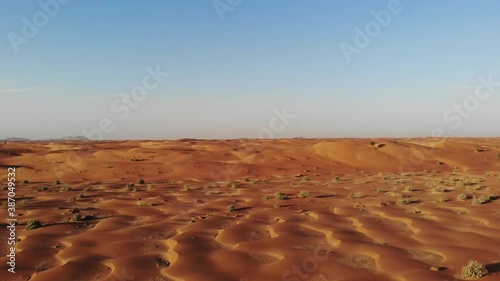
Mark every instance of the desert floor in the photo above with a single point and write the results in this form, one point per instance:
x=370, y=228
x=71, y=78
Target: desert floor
x=253, y=210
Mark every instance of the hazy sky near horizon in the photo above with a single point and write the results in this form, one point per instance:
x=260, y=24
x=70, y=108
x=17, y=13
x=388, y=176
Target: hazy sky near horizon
x=229, y=76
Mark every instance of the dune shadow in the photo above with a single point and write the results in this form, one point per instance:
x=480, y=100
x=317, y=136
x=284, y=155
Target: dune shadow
x=324, y=196
x=493, y=268
x=243, y=208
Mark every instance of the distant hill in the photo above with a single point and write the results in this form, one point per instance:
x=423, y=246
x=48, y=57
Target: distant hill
x=73, y=138
x=66, y=138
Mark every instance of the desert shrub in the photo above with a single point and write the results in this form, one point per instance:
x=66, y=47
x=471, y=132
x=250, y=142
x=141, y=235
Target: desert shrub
x=403, y=201
x=43, y=188
x=76, y=217
x=281, y=196
x=483, y=199
x=336, y=179
x=438, y=189
x=379, y=190
x=57, y=182
x=4, y=187
x=409, y=188
x=306, y=178
x=144, y=204
x=276, y=204
x=462, y=197
x=81, y=195
x=151, y=186
x=267, y=197
x=87, y=189
x=65, y=188
x=129, y=187
x=352, y=195
x=303, y=193
x=25, y=181
x=33, y=224
x=474, y=269
x=141, y=181
x=386, y=178
x=187, y=187
x=231, y=208
x=72, y=199
x=233, y=185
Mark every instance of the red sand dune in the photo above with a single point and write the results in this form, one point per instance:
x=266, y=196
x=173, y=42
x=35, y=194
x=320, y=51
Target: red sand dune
x=344, y=217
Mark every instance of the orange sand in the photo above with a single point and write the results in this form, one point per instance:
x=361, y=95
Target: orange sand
x=346, y=229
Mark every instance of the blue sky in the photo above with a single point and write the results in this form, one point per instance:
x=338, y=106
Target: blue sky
x=226, y=76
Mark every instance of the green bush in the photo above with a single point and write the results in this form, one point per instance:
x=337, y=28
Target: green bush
x=281, y=196
x=403, y=201
x=303, y=194
x=231, y=208
x=483, y=199
x=33, y=224
x=474, y=269
x=76, y=217
x=352, y=195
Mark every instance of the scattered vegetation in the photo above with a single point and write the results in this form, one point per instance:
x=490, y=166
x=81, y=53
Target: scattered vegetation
x=144, y=204
x=352, y=195
x=81, y=195
x=483, y=199
x=76, y=217
x=409, y=188
x=65, y=188
x=25, y=181
x=231, y=208
x=474, y=269
x=439, y=189
x=306, y=178
x=33, y=224
x=303, y=194
x=281, y=196
x=187, y=187
x=151, y=186
x=87, y=189
x=4, y=187
x=141, y=181
x=57, y=182
x=403, y=201
x=336, y=179
x=129, y=187
x=267, y=197
x=72, y=199
x=462, y=197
